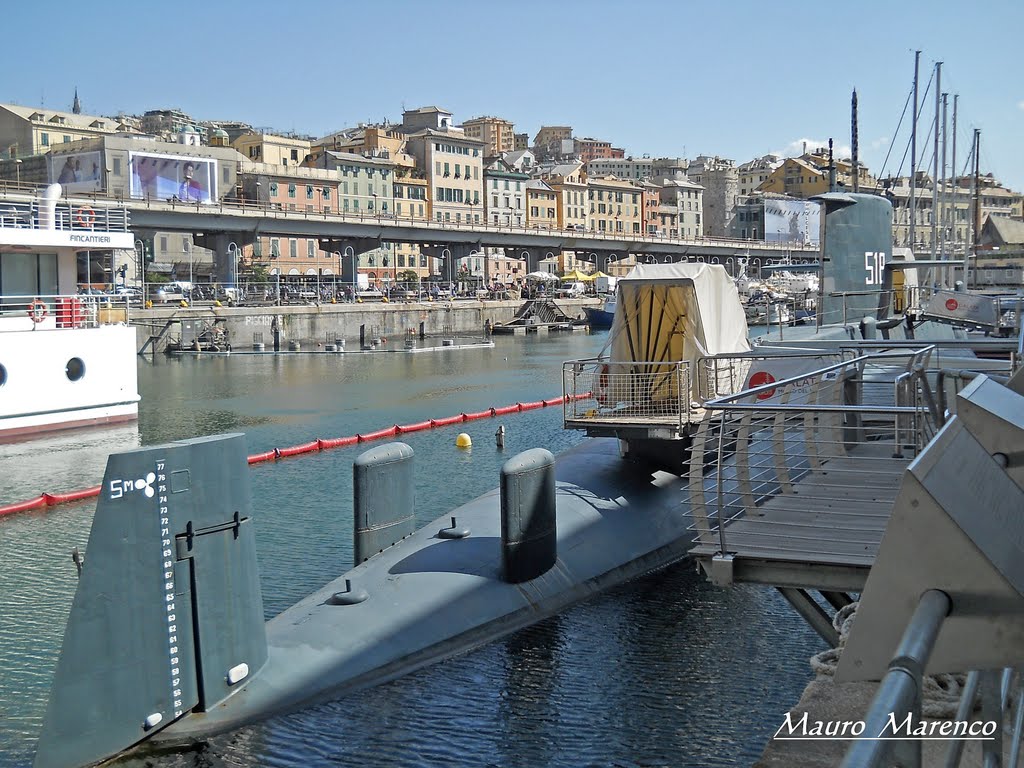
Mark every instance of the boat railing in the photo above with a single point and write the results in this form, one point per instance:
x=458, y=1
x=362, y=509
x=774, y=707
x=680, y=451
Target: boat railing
x=68, y=215
x=58, y=312
x=626, y=392
x=730, y=373
x=836, y=432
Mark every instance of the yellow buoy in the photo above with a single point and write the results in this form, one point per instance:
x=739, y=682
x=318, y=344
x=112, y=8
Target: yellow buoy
x=463, y=441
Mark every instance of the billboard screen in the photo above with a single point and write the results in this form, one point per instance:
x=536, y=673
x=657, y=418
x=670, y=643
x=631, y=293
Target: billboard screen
x=792, y=221
x=77, y=172
x=173, y=177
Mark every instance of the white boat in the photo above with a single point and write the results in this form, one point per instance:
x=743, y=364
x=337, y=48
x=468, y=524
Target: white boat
x=66, y=360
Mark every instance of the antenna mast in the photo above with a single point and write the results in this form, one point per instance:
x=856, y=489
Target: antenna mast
x=853, y=142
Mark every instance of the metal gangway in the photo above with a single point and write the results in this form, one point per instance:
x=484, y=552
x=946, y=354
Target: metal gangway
x=792, y=482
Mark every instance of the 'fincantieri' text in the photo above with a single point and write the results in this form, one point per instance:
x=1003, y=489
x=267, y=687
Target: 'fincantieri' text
x=895, y=727
x=89, y=238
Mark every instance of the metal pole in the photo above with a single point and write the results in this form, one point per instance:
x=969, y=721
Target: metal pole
x=942, y=198
x=341, y=271
x=913, y=157
x=956, y=186
x=900, y=689
x=354, y=269
x=935, y=160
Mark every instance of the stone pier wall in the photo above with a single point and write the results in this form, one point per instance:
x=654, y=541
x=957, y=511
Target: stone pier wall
x=317, y=323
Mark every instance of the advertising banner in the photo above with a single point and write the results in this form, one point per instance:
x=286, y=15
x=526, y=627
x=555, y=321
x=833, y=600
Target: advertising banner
x=792, y=221
x=77, y=172
x=173, y=177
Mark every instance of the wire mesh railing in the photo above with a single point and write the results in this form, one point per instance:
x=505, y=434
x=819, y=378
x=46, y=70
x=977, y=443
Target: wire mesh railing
x=599, y=390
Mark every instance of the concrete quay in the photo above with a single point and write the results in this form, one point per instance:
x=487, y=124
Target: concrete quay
x=318, y=322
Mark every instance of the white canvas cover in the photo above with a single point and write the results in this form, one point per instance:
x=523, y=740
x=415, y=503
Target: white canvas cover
x=667, y=313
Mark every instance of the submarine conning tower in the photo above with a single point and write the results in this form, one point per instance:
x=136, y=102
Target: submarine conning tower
x=856, y=245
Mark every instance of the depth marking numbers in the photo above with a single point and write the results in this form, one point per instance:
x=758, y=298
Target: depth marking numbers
x=167, y=550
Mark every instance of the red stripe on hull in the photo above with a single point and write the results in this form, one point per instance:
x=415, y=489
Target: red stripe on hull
x=22, y=432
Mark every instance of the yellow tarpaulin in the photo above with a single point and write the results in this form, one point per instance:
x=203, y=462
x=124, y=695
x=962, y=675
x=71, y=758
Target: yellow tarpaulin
x=577, y=276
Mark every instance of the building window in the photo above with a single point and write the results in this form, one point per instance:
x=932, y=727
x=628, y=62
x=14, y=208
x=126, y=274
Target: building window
x=44, y=139
x=309, y=249
x=291, y=190
x=293, y=248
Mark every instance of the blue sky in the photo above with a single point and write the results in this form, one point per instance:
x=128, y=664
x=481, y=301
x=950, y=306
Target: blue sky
x=738, y=79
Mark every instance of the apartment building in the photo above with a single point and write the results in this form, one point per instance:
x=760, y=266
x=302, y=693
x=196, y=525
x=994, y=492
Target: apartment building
x=541, y=205
x=614, y=206
x=754, y=173
x=569, y=182
x=383, y=141
x=27, y=131
x=588, y=149
x=653, y=223
x=291, y=188
x=634, y=168
x=681, y=208
x=272, y=148
x=453, y=164
x=411, y=203
x=504, y=194
x=496, y=133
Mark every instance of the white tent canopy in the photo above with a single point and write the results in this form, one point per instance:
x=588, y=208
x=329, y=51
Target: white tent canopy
x=667, y=313
x=541, y=276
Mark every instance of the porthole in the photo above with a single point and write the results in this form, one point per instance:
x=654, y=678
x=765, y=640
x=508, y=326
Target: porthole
x=75, y=369
x=3, y=375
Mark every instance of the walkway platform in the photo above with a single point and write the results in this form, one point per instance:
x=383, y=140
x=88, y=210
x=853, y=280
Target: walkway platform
x=821, y=534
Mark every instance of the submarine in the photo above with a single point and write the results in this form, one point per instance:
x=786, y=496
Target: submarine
x=166, y=643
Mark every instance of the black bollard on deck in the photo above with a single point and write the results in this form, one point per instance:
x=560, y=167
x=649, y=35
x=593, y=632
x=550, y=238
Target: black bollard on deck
x=528, y=535
x=384, y=499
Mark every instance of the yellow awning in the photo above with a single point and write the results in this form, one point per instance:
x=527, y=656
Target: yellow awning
x=576, y=276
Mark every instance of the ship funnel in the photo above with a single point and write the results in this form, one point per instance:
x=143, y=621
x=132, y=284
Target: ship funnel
x=48, y=207
x=168, y=615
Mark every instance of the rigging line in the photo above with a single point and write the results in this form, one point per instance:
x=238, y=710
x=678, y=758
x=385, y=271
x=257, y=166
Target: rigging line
x=892, y=143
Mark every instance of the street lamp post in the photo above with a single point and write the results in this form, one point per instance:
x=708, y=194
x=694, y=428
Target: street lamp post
x=17, y=165
x=233, y=254
x=350, y=251
x=448, y=260
x=191, y=283
x=341, y=269
x=140, y=255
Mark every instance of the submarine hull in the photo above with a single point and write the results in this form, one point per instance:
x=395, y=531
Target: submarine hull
x=428, y=597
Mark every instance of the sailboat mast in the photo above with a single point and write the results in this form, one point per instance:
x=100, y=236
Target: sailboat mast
x=913, y=157
x=935, y=158
x=853, y=142
x=942, y=194
x=975, y=214
x=956, y=186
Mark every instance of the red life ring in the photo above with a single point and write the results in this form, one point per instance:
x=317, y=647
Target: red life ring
x=601, y=390
x=86, y=217
x=37, y=310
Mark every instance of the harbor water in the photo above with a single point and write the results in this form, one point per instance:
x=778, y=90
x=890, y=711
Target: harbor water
x=665, y=671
